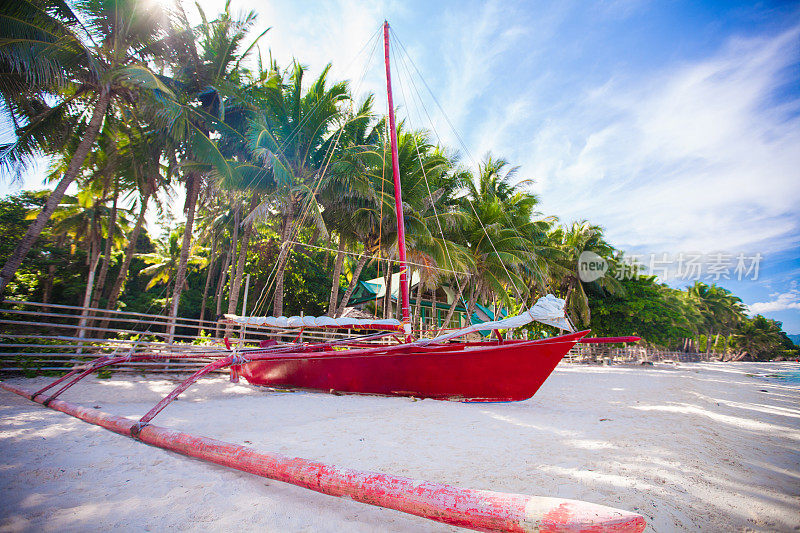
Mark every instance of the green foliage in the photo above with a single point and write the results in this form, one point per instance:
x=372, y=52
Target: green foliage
x=307, y=284
x=702, y=343
x=720, y=344
x=655, y=312
x=763, y=338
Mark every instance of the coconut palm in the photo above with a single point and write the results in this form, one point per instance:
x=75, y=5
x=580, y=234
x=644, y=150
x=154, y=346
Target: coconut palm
x=571, y=242
x=100, y=49
x=209, y=73
x=761, y=338
x=720, y=310
x=165, y=260
x=498, y=222
x=498, y=179
x=87, y=220
x=140, y=156
x=293, y=136
x=215, y=219
x=348, y=187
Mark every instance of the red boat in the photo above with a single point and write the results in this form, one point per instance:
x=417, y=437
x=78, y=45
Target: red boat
x=478, y=371
x=503, y=370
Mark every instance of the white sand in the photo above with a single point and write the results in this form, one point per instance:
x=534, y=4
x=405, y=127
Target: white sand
x=698, y=447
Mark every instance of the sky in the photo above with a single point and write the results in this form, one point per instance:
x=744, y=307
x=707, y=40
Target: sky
x=673, y=125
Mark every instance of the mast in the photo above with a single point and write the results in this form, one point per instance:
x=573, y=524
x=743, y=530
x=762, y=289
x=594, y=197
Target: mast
x=398, y=194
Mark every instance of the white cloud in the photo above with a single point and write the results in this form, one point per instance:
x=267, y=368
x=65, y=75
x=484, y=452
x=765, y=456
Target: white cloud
x=471, y=46
x=779, y=302
x=695, y=158
x=318, y=33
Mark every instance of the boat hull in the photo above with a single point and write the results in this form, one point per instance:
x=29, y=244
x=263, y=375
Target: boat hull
x=479, y=372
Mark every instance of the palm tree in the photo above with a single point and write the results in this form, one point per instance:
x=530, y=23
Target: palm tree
x=215, y=219
x=249, y=223
x=165, y=260
x=720, y=310
x=571, y=242
x=86, y=218
x=140, y=162
x=760, y=337
x=349, y=188
x=498, y=217
x=293, y=136
x=96, y=77
x=209, y=71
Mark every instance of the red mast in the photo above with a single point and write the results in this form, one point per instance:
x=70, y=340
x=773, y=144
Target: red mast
x=398, y=194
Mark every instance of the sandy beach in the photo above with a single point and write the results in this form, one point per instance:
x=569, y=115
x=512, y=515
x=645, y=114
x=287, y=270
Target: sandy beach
x=705, y=446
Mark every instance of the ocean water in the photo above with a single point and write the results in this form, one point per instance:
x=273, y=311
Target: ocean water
x=789, y=376
x=785, y=373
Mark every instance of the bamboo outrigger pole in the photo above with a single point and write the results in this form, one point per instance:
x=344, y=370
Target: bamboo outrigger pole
x=398, y=193
x=481, y=510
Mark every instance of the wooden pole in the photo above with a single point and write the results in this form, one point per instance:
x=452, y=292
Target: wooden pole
x=398, y=193
x=480, y=510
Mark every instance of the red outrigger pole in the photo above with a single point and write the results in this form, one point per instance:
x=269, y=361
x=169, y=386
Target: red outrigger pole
x=398, y=193
x=481, y=510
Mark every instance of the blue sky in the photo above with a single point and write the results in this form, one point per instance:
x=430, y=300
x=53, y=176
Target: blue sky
x=674, y=125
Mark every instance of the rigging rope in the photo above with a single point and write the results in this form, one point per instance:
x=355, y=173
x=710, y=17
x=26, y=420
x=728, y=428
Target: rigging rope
x=298, y=223
x=463, y=145
x=466, y=197
x=380, y=222
x=360, y=255
x=433, y=202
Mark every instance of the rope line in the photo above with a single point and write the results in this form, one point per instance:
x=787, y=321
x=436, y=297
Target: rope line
x=360, y=255
x=298, y=223
x=430, y=196
x=469, y=154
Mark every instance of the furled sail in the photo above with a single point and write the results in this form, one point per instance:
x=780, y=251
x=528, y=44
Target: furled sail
x=547, y=310
x=315, y=322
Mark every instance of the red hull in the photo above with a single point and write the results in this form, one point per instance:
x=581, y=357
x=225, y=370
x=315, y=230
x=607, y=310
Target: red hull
x=488, y=372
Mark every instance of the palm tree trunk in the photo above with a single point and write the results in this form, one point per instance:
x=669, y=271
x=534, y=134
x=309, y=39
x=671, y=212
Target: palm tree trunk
x=452, y=310
x=418, y=304
x=180, y=277
x=223, y=274
x=48, y=287
x=569, y=293
x=277, y=308
x=223, y=277
x=116, y=290
x=208, y=282
x=233, y=297
x=473, y=299
x=237, y=215
x=94, y=254
x=35, y=229
x=387, y=294
x=101, y=277
x=337, y=273
x=362, y=262
x=435, y=308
